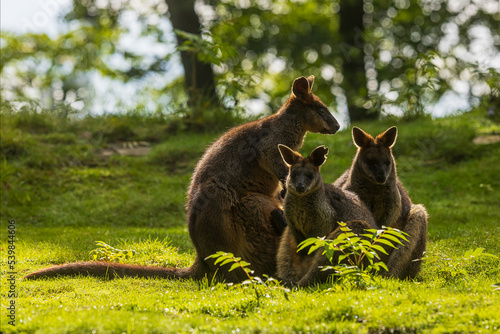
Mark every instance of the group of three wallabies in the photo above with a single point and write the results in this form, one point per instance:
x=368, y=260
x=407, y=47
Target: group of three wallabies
x=234, y=201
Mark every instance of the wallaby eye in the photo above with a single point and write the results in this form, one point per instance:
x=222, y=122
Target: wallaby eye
x=322, y=111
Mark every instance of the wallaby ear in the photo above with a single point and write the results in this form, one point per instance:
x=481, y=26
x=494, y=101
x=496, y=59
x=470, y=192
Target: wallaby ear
x=361, y=138
x=310, y=81
x=388, y=138
x=301, y=88
x=318, y=155
x=289, y=156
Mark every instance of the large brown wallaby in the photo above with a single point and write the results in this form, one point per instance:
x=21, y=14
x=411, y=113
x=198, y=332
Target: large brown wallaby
x=232, y=200
x=373, y=177
x=313, y=209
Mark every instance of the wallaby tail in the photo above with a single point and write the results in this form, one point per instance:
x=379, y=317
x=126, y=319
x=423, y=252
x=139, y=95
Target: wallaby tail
x=111, y=270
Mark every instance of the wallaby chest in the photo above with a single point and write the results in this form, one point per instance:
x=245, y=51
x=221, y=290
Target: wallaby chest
x=309, y=215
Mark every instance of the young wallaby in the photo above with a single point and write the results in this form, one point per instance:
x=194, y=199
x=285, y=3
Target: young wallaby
x=313, y=209
x=232, y=200
x=373, y=177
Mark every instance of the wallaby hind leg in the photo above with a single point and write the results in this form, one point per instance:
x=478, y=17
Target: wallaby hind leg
x=401, y=262
x=249, y=229
x=212, y=229
x=218, y=234
x=315, y=273
x=416, y=263
x=261, y=222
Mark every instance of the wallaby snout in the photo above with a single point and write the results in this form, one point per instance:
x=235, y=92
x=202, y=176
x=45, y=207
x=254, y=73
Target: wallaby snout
x=303, y=178
x=381, y=178
x=332, y=126
x=300, y=188
x=323, y=121
x=378, y=173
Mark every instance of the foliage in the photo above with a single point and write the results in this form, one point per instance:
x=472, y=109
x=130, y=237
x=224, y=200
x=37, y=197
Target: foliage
x=359, y=258
x=439, y=39
x=258, y=285
x=458, y=269
x=414, y=52
x=105, y=252
x=59, y=70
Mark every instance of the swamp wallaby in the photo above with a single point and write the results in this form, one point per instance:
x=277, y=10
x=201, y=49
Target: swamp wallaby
x=232, y=200
x=313, y=209
x=373, y=177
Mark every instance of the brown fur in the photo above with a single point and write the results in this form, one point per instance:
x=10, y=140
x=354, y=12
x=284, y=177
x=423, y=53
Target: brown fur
x=313, y=209
x=373, y=177
x=232, y=201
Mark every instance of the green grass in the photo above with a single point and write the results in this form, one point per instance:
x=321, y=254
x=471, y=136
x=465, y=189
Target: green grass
x=64, y=197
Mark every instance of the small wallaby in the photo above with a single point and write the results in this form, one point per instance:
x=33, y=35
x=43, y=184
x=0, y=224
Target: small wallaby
x=373, y=177
x=233, y=201
x=313, y=209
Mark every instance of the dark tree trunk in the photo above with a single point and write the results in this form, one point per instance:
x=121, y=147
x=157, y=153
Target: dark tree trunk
x=354, y=84
x=200, y=82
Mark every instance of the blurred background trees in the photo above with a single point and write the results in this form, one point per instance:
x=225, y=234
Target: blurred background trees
x=370, y=57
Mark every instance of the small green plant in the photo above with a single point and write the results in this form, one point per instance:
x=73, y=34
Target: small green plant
x=463, y=268
x=105, y=252
x=359, y=255
x=475, y=253
x=223, y=258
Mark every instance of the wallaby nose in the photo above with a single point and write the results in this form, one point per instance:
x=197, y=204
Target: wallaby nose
x=333, y=126
x=336, y=127
x=380, y=178
x=300, y=188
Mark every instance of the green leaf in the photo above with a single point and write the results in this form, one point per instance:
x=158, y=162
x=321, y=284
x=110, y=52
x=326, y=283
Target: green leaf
x=372, y=231
x=468, y=253
x=244, y=264
x=382, y=265
x=341, y=237
x=220, y=259
x=477, y=251
x=218, y=254
x=226, y=261
x=313, y=248
x=380, y=249
x=329, y=253
x=489, y=255
x=234, y=266
x=398, y=233
x=308, y=242
x=365, y=242
x=342, y=257
x=355, y=240
x=393, y=238
x=385, y=242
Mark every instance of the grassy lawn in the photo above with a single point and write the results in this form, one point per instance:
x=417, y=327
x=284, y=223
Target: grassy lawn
x=64, y=196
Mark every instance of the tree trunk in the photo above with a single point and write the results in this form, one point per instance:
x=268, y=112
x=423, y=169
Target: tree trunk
x=200, y=82
x=354, y=83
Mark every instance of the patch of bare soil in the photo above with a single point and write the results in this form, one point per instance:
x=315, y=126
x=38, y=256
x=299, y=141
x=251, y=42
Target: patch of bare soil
x=133, y=149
